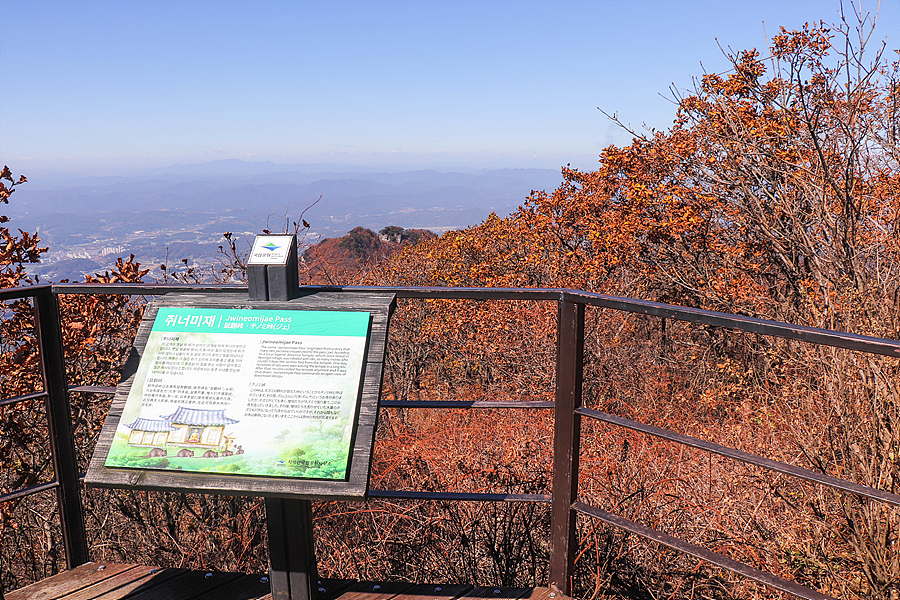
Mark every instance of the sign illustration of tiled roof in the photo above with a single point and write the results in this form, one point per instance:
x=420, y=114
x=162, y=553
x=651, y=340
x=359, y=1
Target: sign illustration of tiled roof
x=196, y=416
x=151, y=425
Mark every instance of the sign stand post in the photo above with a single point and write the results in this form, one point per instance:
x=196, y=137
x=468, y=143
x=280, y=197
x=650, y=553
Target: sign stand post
x=272, y=274
x=273, y=396
x=293, y=573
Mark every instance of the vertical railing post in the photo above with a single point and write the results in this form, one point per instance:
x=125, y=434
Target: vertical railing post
x=566, y=443
x=59, y=425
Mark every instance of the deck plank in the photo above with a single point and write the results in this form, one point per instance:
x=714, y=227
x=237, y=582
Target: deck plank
x=185, y=586
x=59, y=585
x=373, y=590
x=498, y=593
x=434, y=592
x=332, y=588
x=542, y=593
x=329, y=589
x=123, y=583
x=246, y=587
x=95, y=581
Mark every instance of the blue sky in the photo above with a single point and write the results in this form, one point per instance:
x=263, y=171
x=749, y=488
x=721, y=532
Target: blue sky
x=103, y=86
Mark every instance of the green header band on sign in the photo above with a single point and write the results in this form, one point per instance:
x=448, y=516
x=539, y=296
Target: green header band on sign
x=262, y=322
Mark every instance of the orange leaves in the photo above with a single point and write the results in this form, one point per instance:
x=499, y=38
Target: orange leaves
x=764, y=182
x=5, y=192
x=125, y=271
x=744, y=79
x=15, y=251
x=811, y=42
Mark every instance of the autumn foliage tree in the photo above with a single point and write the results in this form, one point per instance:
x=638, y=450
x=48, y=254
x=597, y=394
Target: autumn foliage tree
x=776, y=194
x=97, y=330
x=17, y=250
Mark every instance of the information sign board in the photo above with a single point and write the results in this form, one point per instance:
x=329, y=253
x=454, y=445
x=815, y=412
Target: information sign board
x=275, y=399
x=261, y=392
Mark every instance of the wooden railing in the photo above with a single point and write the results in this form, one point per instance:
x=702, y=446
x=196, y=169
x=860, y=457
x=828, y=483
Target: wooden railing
x=565, y=505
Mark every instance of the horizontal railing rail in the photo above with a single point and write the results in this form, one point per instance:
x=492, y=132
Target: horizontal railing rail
x=93, y=389
x=745, y=457
x=568, y=411
x=702, y=553
x=460, y=496
x=22, y=398
x=20, y=293
x=28, y=491
x=813, y=335
x=528, y=404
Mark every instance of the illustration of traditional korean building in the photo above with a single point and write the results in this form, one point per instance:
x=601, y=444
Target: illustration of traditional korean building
x=197, y=427
x=149, y=432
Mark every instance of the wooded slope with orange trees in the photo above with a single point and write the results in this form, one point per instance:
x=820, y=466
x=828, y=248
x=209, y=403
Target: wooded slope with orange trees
x=338, y=261
x=775, y=194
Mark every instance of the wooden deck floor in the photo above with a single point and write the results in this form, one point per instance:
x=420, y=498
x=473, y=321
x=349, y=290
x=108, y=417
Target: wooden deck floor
x=96, y=581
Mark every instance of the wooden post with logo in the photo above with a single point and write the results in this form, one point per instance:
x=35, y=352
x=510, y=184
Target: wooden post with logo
x=272, y=269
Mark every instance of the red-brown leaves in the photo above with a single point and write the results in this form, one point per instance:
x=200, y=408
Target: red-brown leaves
x=776, y=193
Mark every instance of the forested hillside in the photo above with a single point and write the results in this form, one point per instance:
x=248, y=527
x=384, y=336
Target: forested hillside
x=344, y=260
x=775, y=193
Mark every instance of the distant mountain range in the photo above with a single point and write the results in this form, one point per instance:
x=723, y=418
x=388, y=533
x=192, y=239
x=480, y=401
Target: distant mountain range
x=430, y=198
x=95, y=219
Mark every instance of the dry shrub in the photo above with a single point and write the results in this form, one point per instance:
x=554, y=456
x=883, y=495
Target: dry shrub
x=192, y=531
x=468, y=542
x=800, y=404
x=454, y=350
